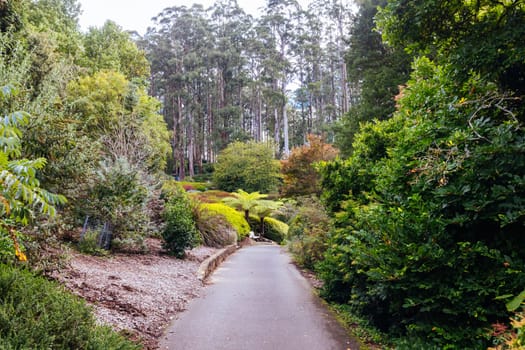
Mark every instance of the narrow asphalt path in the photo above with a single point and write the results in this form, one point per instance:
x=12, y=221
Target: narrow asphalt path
x=257, y=301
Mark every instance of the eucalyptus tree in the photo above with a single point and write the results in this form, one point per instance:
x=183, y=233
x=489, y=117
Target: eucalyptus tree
x=279, y=20
x=309, y=60
x=331, y=85
x=230, y=25
x=179, y=47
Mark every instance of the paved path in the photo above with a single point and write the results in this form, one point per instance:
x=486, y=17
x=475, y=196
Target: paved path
x=257, y=301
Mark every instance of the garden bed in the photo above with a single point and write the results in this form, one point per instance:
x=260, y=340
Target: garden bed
x=136, y=294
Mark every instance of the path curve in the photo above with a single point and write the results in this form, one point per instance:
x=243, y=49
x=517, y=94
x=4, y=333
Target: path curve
x=258, y=300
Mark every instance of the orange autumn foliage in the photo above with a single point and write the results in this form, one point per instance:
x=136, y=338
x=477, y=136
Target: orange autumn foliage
x=299, y=175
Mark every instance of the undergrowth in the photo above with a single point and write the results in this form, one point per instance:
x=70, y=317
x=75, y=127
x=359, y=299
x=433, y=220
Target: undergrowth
x=38, y=314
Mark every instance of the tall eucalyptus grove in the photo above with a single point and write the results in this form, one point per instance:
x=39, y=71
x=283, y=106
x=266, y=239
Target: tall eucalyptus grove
x=225, y=76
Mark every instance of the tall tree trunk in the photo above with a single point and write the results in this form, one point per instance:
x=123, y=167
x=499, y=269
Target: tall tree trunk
x=258, y=134
x=286, y=139
x=191, y=145
x=176, y=112
x=180, y=141
x=276, y=128
x=209, y=134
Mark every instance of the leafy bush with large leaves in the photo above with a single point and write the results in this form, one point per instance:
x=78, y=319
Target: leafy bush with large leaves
x=21, y=197
x=431, y=229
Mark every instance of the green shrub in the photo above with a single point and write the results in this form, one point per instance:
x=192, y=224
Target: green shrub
x=430, y=232
x=88, y=244
x=38, y=314
x=118, y=196
x=213, y=196
x=232, y=216
x=179, y=232
x=130, y=243
x=308, y=233
x=288, y=210
x=275, y=230
x=250, y=166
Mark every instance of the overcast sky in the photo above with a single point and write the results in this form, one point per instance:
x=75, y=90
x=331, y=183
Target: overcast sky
x=136, y=15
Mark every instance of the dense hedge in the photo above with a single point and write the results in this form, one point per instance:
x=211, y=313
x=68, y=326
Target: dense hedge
x=431, y=213
x=38, y=314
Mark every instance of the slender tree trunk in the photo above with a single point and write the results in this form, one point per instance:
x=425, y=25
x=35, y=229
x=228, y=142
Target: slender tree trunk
x=191, y=145
x=276, y=128
x=209, y=134
x=344, y=84
x=176, y=112
x=259, y=116
x=286, y=149
x=180, y=140
x=262, y=226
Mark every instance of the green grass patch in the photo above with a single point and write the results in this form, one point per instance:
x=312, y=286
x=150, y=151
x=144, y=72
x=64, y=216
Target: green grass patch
x=360, y=328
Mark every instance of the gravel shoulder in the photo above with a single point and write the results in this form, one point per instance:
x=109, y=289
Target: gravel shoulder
x=136, y=294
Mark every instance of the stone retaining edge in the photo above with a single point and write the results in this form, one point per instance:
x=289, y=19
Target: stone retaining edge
x=211, y=263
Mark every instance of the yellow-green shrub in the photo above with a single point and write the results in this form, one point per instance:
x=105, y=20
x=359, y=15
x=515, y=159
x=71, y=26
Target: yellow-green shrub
x=234, y=218
x=275, y=229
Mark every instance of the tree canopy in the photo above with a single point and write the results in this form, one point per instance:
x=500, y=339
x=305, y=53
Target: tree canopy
x=249, y=166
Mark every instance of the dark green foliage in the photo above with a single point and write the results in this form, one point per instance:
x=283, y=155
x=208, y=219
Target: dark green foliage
x=255, y=224
x=308, y=233
x=88, y=244
x=180, y=232
x=250, y=166
x=275, y=230
x=481, y=36
x=431, y=228
x=37, y=314
x=377, y=69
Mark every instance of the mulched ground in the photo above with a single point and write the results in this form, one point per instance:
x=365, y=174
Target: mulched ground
x=136, y=294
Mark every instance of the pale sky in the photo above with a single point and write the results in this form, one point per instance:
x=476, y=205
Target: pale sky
x=136, y=15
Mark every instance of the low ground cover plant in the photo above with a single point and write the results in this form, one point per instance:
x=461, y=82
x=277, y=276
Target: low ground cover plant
x=38, y=314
